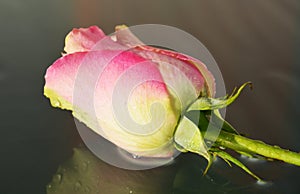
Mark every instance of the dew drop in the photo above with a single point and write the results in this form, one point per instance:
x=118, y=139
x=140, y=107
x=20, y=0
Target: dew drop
x=135, y=156
x=49, y=186
x=55, y=102
x=209, y=142
x=252, y=159
x=57, y=178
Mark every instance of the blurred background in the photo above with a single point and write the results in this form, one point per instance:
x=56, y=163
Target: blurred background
x=256, y=41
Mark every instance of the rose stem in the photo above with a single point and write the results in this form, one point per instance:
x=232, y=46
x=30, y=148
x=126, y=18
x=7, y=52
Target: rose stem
x=246, y=145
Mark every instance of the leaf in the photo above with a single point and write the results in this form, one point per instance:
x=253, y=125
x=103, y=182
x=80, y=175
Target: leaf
x=189, y=138
x=204, y=103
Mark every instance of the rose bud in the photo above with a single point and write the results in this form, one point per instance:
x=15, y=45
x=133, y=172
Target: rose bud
x=139, y=97
x=131, y=94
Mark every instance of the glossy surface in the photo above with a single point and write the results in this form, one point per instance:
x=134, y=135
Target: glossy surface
x=254, y=41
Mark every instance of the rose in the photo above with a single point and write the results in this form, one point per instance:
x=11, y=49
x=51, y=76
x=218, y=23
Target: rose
x=139, y=92
x=139, y=98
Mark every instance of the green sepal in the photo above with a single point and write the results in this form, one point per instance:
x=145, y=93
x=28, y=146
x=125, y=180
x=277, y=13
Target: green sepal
x=216, y=119
x=212, y=158
x=204, y=103
x=228, y=158
x=188, y=138
x=225, y=125
x=203, y=121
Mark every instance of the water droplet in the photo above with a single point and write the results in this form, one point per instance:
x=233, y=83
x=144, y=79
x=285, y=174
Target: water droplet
x=252, y=159
x=57, y=178
x=77, y=186
x=135, y=156
x=208, y=142
x=49, y=186
x=130, y=191
x=55, y=102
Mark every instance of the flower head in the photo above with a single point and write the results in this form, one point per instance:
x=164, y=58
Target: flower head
x=130, y=93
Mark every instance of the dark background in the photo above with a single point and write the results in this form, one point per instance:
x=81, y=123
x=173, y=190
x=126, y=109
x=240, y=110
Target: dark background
x=255, y=40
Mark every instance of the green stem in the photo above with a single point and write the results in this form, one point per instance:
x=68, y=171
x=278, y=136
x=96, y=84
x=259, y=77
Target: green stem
x=243, y=144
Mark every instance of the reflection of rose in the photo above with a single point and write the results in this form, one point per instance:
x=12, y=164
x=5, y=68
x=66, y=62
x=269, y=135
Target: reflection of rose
x=166, y=83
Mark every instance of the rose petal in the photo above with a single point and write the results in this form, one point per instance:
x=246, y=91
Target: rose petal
x=194, y=69
x=69, y=85
x=82, y=39
x=185, y=77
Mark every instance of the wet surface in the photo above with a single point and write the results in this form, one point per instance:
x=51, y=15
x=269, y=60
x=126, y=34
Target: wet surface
x=254, y=40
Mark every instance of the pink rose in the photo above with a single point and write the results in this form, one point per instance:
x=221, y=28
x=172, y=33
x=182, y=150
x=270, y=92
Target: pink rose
x=129, y=93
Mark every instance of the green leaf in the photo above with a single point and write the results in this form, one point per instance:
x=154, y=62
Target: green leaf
x=204, y=103
x=189, y=138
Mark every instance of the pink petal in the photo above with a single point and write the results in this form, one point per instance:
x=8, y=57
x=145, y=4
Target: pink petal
x=82, y=39
x=88, y=83
x=194, y=69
